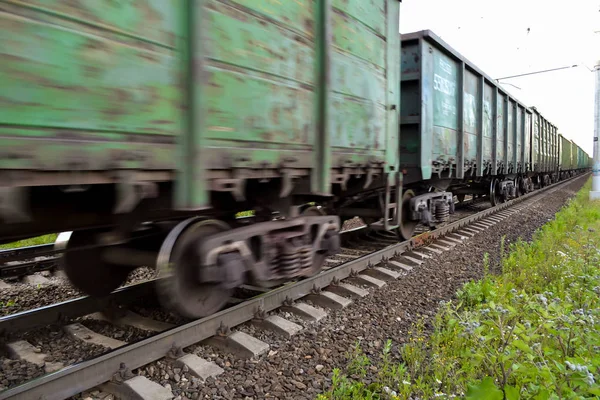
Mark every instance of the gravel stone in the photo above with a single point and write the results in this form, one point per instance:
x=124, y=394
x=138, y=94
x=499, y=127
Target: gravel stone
x=22, y=296
x=126, y=334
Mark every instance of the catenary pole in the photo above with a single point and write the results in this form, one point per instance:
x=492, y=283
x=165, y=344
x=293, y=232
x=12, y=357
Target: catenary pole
x=595, y=192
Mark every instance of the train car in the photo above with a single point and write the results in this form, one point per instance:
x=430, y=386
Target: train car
x=460, y=131
x=544, y=152
x=582, y=159
x=144, y=127
x=565, y=150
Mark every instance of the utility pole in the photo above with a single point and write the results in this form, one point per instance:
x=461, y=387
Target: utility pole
x=595, y=192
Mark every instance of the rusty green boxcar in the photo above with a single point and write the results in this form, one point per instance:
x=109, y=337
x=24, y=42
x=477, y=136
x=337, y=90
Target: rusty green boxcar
x=459, y=128
x=565, y=150
x=115, y=113
x=545, y=149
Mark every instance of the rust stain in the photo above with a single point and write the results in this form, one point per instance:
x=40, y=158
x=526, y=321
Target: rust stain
x=232, y=12
x=275, y=113
x=267, y=136
x=308, y=25
x=423, y=240
x=119, y=97
x=153, y=58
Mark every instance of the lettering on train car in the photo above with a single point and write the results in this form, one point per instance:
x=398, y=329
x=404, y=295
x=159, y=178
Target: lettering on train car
x=443, y=85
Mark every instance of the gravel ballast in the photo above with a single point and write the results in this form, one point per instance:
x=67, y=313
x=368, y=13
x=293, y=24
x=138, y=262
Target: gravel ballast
x=301, y=367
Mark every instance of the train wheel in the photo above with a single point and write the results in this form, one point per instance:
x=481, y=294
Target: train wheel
x=494, y=199
x=87, y=270
x=178, y=285
x=460, y=198
x=519, y=186
x=319, y=257
x=407, y=227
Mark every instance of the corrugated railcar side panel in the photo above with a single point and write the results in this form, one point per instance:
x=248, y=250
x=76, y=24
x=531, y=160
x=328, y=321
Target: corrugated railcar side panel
x=547, y=156
x=444, y=79
x=471, y=116
x=527, y=148
x=536, y=139
x=489, y=94
x=454, y=116
x=564, y=149
x=573, y=155
x=91, y=85
x=304, y=86
x=510, y=133
x=501, y=120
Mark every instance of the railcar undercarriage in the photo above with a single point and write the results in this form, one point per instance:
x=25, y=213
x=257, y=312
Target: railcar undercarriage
x=200, y=260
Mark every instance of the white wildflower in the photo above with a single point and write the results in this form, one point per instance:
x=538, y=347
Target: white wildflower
x=590, y=379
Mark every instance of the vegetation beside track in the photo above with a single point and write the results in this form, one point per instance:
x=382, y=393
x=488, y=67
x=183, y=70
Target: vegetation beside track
x=45, y=239
x=531, y=332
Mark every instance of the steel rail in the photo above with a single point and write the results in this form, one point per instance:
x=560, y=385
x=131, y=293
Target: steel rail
x=88, y=374
x=80, y=306
x=73, y=308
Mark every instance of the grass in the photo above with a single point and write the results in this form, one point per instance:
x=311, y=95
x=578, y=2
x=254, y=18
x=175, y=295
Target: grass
x=532, y=332
x=30, y=242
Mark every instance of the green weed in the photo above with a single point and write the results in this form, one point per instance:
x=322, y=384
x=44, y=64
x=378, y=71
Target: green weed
x=31, y=241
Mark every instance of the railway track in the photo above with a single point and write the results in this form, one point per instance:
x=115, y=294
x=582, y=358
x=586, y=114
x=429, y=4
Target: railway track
x=23, y=261
x=20, y=262
x=368, y=259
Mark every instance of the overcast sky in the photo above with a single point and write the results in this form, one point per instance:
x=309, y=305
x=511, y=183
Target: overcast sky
x=511, y=37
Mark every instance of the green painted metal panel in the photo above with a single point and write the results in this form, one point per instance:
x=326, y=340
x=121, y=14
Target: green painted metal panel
x=72, y=94
x=56, y=77
x=369, y=12
x=471, y=116
x=536, y=147
x=415, y=132
x=460, y=156
x=510, y=133
x=452, y=112
x=361, y=76
x=195, y=85
x=519, y=136
x=301, y=77
x=566, y=160
x=256, y=77
x=527, y=141
x=296, y=15
x=392, y=148
x=320, y=174
x=501, y=128
x=495, y=108
x=444, y=80
x=543, y=134
x=151, y=21
x=445, y=91
x=547, y=156
x=353, y=37
x=282, y=115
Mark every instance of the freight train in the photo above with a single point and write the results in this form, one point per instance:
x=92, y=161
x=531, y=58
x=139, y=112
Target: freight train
x=145, y=127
